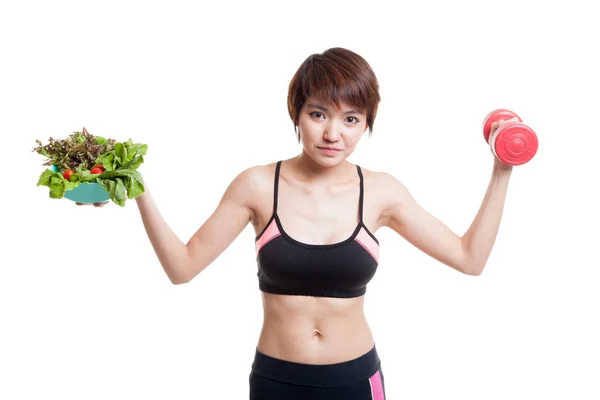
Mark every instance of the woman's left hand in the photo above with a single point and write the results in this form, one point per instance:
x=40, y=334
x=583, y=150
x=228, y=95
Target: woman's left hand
x=499, y=165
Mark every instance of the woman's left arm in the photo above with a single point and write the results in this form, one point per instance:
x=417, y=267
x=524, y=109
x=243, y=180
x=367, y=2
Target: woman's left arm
x=468, y=253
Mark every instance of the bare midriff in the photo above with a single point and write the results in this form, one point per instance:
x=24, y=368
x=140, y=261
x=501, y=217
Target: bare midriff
x=314, y=330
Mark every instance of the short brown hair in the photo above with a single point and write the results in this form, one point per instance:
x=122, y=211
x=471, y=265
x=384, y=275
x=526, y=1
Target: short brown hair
x=335, y=76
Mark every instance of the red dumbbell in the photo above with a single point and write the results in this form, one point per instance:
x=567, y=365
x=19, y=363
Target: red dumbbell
x=514, y=143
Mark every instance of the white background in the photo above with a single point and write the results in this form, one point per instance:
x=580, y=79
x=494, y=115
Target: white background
x=85, y=307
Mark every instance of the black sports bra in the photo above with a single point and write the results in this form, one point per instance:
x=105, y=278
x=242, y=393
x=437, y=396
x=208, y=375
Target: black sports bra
x=287, y=266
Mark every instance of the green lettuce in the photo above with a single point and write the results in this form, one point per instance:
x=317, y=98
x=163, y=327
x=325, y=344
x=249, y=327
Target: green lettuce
x=121, y=182
x=56, y=182
x=127, y=155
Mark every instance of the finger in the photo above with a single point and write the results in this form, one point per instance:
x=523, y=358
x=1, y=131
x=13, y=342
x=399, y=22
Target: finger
x=496, y=124
x=100, y=204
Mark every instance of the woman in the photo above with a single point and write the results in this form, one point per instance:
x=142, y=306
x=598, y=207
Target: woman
x=315, y=218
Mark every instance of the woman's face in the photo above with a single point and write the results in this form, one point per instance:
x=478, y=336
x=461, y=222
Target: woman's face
x=329, y=135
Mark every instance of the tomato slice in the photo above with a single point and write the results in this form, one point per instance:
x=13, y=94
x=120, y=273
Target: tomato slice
x=67, y=174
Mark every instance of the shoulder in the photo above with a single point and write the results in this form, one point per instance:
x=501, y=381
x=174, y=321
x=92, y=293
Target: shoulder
x=382, y=181
x=253, y=182
x=256, y=175
x=385, y=187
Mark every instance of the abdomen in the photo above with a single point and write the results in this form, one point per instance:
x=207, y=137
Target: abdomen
x=314, y=330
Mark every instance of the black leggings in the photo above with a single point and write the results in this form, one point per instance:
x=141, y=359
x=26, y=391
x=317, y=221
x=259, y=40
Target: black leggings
x=358, y=379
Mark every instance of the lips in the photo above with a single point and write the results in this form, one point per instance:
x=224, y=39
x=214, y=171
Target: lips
x=329, y=151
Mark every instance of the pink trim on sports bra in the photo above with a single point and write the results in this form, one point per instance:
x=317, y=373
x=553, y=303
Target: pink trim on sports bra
x=366, y=241
x=269, y=234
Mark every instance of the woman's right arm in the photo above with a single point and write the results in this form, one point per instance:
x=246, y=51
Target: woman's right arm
x=182, y=262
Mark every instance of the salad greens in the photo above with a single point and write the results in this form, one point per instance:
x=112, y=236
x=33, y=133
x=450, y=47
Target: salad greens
x=80, y=153
x=79, y=149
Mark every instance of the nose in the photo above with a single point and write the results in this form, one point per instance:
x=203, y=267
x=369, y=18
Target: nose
x=333, y=131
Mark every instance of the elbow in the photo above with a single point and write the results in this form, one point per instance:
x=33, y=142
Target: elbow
x=473, y=270
x=180, y=272
x=185, y=271
x=179, y=279
x=469, y=264
x=185, y=276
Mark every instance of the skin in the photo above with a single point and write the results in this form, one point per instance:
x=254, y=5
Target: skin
x=318, y=204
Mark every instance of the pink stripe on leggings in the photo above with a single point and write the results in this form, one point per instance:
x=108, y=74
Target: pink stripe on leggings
x=376, y=387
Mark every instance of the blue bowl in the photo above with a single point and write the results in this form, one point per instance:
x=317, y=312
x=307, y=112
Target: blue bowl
x=88, y=193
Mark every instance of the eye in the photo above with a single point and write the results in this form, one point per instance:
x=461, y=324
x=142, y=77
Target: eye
x=316, y=114
x=356, y=121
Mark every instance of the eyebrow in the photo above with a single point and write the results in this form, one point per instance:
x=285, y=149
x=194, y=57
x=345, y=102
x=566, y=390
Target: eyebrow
x=320, y=107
